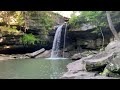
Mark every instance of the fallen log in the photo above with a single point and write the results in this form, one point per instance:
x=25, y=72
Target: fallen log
x=36, y=53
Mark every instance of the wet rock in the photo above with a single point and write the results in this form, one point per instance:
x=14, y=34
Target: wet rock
x=99, y=61
x=76, y=56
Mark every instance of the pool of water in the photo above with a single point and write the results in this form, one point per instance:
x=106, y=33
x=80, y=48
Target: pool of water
x=33, y=68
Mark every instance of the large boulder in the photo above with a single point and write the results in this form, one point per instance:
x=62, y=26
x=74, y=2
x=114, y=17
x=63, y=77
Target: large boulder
x=107, y=61
x=99, y=61
x=75, y=67
x=114, y=65
x=110, y=56
x=113, y=46
x=78, y=65
x=84, y=53
x=76, y=56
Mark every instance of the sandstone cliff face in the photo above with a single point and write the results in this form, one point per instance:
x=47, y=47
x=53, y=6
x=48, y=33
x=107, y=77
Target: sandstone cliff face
x=32, y=21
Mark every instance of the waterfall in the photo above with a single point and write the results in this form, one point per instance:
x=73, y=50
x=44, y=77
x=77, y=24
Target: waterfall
x=56, y=43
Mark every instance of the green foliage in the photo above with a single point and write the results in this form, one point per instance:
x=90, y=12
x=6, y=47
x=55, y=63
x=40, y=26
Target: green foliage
x=73, y=21
x=44, y=18
x=6, y=16
x=19, y=18
x=46, y=21
x=9, y=31
x=29, y=39
x=97, y=18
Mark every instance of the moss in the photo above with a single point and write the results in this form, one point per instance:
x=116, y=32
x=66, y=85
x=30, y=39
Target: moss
x=106, y=72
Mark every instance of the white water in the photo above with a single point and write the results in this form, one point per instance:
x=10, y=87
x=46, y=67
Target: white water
x=56, y=43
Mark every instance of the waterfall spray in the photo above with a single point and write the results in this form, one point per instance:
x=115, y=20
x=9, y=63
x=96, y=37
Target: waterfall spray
x=56, y=43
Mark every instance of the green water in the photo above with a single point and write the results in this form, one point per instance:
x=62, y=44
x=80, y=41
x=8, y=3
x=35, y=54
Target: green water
x=33, y=69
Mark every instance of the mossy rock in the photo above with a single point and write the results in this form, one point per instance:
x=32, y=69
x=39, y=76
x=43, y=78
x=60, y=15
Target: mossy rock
x=108, y=73
x=114, y=66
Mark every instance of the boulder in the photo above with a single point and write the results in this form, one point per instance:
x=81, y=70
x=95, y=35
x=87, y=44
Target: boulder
x=108, y=73
x=76, y=66
x=114, y=65
x=98, y=61
x=76, y=56
x=107, y=61
x=84, y=75
x=86, y=53
x=113, y=46
x=36, y=53
x=79, y=75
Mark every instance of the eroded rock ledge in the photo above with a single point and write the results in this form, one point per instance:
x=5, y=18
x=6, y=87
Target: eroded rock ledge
x=99, y=66
x=42, y=53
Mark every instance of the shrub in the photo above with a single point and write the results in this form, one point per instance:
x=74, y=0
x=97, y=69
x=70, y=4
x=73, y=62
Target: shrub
x=29, y=39
x=9, y=31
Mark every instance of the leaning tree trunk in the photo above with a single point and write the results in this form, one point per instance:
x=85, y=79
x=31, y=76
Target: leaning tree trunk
x=103, y=38
x=25, y=14
x=111, y=26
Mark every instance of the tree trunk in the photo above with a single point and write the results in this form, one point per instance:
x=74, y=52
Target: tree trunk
x=25, y=19
x=102, y=37
x=111, y=26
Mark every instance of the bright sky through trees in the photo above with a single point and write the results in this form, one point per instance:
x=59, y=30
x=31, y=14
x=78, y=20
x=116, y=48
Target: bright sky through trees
x=66, y=13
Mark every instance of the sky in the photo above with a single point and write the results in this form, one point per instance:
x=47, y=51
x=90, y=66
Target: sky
x=65, y=13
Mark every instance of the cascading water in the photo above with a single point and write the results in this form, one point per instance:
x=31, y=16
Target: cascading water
x=56, y=43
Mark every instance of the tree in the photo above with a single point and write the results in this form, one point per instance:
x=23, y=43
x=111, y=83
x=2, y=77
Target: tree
x=6, y=16
x=96, y=18
x=112, y=26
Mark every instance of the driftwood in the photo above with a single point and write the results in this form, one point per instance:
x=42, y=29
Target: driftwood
x=36, y=53
x=45, y=54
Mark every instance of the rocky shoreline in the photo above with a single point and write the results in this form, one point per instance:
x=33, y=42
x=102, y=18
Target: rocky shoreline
x=12, y=57
x=42, y=53
x=96, y=65
x=102, y=65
